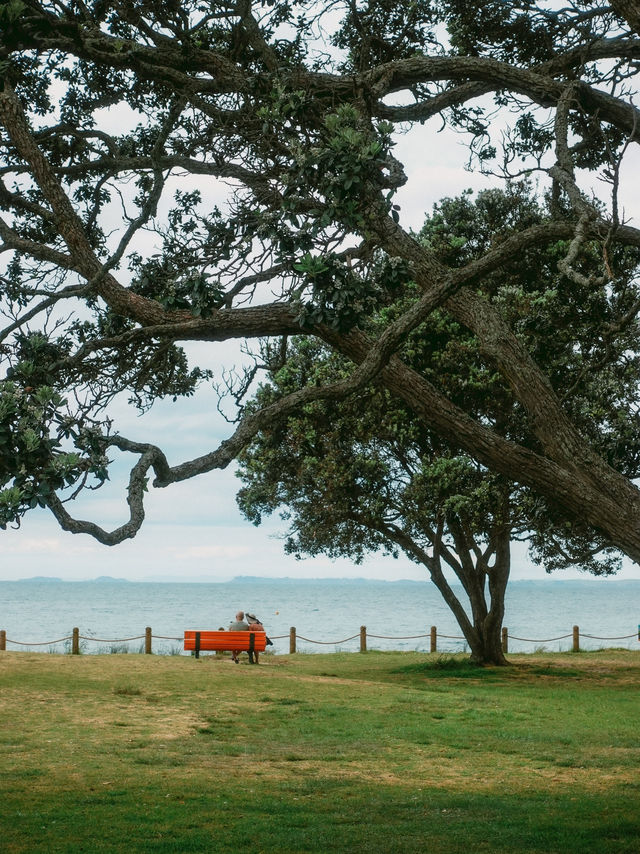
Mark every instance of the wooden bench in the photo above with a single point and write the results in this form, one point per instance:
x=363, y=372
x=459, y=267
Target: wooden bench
x=218, y=641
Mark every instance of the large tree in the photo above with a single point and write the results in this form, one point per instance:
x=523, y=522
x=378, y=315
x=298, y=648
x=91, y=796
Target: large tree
x=122, y=120
x=364, y=474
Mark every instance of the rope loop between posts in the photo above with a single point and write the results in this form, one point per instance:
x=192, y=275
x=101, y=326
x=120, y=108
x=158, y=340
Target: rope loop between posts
x=540, y=640
x=165, y=637
x=327, y=643
x=599, y=637
x=40, y=643
x=398, y=637
x=110, y=640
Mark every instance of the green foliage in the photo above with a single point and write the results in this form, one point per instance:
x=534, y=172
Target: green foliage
x=343, y=473
x=345, y=163
x=378, y=31
x=565, y=324
x=195, y=295
x=337, y=295
x=11, y=10
x=519, y=33
x=42, y=449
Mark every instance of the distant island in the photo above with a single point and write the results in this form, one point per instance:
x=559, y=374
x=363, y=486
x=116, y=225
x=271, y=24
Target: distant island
x=100, y=578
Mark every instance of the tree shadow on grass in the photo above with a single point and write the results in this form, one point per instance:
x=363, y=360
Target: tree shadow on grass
x=452, y=667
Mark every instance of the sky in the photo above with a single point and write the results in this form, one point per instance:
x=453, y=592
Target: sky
x=193, y=531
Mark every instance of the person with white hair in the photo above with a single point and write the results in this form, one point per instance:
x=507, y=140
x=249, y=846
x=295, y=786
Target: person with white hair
x=240, y=625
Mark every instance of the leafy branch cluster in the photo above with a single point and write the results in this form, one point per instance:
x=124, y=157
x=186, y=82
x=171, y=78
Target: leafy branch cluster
x=43, y=448
x=250, y=192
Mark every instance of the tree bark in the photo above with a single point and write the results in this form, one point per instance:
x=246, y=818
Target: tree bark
x=498, y=578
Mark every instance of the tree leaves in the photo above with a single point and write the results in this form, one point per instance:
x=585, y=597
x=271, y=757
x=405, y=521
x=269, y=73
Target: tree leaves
x=37, y=436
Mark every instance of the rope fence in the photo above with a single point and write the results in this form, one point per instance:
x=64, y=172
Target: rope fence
x=75, y=637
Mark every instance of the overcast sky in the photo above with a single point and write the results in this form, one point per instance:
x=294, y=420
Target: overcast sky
x=194, y=531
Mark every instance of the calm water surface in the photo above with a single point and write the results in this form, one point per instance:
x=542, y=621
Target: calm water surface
x=539, y=612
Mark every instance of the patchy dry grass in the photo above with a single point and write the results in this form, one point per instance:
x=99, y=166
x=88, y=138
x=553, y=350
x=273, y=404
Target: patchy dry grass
x=380, y=752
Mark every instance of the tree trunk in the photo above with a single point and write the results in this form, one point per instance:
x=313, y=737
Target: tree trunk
x=485, y=637
x=488, y=651
x=498, y=576
x=484, y=634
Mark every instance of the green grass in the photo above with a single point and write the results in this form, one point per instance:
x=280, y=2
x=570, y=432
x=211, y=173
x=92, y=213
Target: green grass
x=382, y=752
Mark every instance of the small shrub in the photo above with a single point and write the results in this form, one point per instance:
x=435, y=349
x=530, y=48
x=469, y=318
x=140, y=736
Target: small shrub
x=83, y=643
x=174, y=650
x=118, y=648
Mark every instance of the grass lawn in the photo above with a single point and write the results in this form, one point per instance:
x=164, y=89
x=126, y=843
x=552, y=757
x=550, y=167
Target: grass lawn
x=376, y=752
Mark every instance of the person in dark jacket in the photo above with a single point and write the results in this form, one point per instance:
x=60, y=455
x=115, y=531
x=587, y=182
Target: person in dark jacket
x=256, y=626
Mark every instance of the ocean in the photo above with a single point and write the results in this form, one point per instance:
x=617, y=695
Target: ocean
x=327, y=613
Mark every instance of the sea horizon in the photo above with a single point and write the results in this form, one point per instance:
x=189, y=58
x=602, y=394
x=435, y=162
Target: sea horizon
x=334, y=579
x=327, y=613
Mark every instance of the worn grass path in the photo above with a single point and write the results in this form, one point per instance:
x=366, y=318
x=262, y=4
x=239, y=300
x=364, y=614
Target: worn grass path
x=376, y=752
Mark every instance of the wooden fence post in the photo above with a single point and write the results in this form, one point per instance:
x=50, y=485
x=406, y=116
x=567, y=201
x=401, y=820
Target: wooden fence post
x=292, y=640
x=3, y=640
x=434, y=639
x=363, y=638
x=576, y=639
x=505, y=639
x=75, y=642
x=147, y=640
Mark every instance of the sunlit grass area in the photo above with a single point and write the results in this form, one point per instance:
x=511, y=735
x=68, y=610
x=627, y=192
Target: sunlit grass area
x=376, y=752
